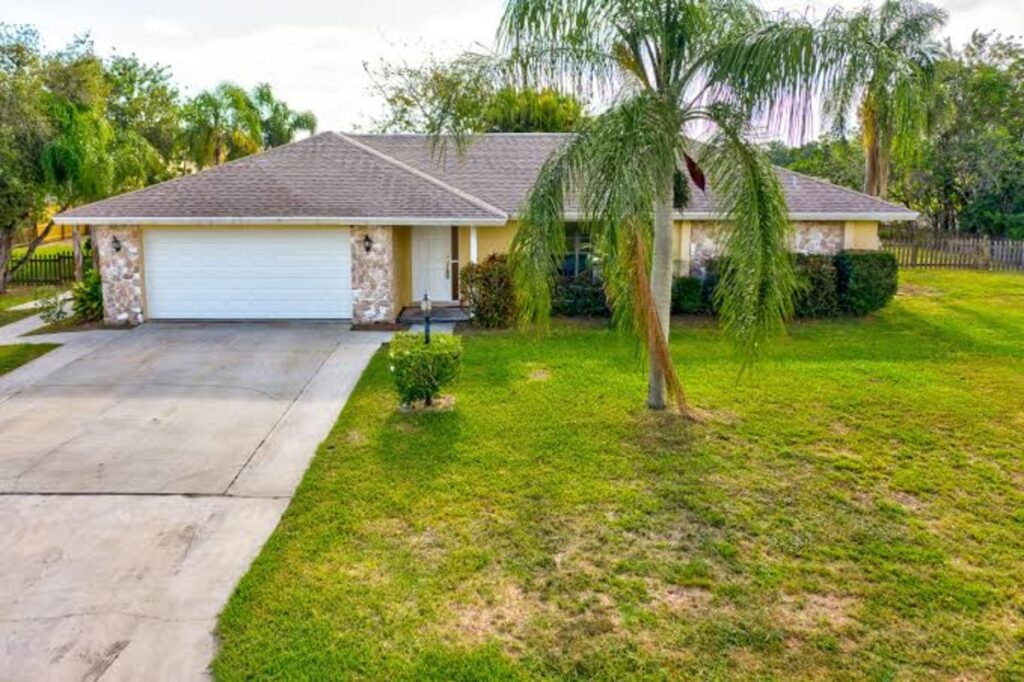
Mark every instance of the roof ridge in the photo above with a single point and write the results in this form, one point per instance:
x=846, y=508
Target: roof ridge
x=466, y=196
x=829, y=183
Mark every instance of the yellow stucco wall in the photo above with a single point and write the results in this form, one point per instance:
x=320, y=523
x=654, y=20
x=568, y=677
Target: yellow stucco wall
x=861, y=235
x=401, y=273
x=681, y=247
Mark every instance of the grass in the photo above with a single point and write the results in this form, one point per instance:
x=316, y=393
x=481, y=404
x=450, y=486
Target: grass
x=13, y=357
x=16, y=295
x=46, y=249
x=853, y=508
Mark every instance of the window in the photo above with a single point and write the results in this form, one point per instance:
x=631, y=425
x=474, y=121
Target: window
x=577, y=256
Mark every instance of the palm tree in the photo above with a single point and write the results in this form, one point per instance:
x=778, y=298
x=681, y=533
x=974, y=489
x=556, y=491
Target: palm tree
x=890, y=76
x=665, y=66
x=279, y=122
x=220, y=125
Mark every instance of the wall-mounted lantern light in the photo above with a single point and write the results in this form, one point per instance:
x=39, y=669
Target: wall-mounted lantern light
x=115, y=244
x=367, y=243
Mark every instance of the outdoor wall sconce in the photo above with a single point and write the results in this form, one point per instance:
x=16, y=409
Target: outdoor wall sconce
x=115, y=244
x=367, y=243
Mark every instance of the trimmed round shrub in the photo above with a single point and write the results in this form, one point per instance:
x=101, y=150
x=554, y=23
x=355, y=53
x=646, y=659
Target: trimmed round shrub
x=421, y=369
x=687, y=296
x=87, y=298
x=487, y=289
x=579, y=295
x=817, y=293
x=867, y=280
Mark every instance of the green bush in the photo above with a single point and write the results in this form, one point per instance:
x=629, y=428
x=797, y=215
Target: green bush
x=687, y=296
x=817, y=293
x=708, y=284
x=421, y=369
x=579, y=295
x=487, y=288
x=87, y=298
x=867, y=280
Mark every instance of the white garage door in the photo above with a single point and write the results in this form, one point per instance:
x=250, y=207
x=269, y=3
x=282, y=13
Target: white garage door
x=248, y=274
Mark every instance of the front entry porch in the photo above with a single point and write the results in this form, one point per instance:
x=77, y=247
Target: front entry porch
x=442, y=313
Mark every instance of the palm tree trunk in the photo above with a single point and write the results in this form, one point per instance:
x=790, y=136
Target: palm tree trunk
x=76, y=245
x=661, y=287
x=871, y=169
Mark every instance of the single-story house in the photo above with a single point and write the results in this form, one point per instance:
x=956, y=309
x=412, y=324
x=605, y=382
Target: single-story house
x=357, y=226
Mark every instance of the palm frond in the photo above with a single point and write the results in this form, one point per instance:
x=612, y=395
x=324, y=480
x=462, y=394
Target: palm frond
x=755, y=291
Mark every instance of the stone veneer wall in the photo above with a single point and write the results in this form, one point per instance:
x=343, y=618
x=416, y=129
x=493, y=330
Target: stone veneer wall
x=373, y=294
x=122, y=274
x=808, y=237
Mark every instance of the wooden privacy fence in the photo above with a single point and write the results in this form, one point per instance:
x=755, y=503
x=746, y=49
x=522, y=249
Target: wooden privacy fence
x=937, y=250
x=46, y=268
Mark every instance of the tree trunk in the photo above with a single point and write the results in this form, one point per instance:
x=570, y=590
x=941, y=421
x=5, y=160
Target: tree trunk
x=76, y=245
x=872, y=167
x=661, y=287
x=8, y=269
x=6, y=239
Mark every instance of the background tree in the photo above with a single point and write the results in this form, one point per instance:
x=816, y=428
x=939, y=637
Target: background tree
x=24, y=130
x=465, y=90
x=890, y=78
x=279, y=122
x=666, y=66
x=835, y=159
x=77, y=160
x=144, y=111
x=220, y=125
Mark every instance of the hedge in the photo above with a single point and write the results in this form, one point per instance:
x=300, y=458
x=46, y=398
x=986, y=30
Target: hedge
x=867, y=280
x=579, y=295
x=687, y=296
x=848, y=283
x=817, y=290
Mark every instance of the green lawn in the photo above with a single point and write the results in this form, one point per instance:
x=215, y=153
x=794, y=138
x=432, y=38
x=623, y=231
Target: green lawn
x=15, y=295
x=46, y=249
x=13, y=357
x=853, y=508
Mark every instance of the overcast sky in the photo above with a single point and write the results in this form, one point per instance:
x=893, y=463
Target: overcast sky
x=312, y=51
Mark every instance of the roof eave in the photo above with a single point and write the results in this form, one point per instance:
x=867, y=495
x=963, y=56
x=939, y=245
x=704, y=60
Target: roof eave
x=279, y=220
x=824, y=216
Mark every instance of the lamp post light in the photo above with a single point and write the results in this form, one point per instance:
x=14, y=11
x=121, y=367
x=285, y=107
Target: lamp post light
x=426, y=306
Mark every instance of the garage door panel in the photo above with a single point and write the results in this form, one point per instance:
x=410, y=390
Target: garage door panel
x=235, y=273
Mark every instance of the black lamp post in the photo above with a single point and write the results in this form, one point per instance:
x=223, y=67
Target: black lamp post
x=426, y=306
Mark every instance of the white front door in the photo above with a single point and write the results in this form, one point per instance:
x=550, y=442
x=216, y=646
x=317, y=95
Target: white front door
x=431, y=262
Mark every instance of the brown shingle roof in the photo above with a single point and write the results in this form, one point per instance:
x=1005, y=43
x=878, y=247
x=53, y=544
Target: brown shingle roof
x=323, y=176
x=500, y=168
x=383, y=177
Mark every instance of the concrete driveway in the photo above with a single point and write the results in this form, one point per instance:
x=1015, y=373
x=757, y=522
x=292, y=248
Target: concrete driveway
x=138, y=482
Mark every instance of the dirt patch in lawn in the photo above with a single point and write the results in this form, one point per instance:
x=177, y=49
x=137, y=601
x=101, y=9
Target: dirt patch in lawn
x=809, y=612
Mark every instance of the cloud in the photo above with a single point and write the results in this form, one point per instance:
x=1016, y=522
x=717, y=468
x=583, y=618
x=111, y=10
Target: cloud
x=164, y=28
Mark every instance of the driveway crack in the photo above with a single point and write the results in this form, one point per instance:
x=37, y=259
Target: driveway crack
x=268, y=434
